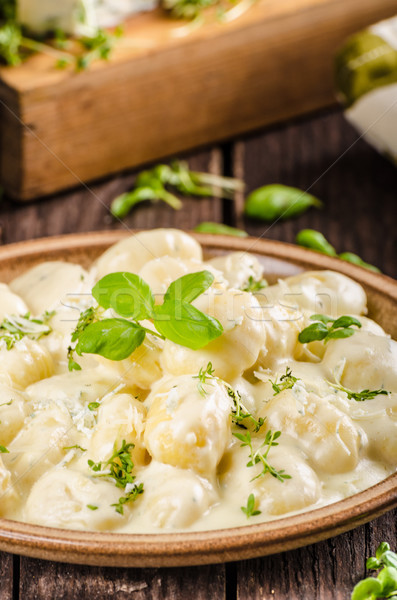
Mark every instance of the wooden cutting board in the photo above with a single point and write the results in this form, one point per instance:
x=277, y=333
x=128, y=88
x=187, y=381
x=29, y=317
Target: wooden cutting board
x=168, y=88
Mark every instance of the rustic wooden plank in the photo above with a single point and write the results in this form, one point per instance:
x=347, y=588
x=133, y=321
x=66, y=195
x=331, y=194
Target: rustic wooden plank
x=68, y=582
x=86, y=209
x=325, y=155
x=327, y=570
x=6, y=576
x=146, y=102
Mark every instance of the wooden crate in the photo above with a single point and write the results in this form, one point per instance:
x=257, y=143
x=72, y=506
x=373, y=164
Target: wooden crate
x=163, y=92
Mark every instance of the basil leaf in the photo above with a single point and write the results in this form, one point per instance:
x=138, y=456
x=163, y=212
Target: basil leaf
x=340, y=333
x=312, y=333
x=277, y=201
x=219, y=229
x=314, y=240
x=388, y=580
x=356, y=260
x=367, y=589
x=115, y=339
x=185, y=325
x=188, y=287
x=345, y=321
x=323, y=318
x=389, y=558
x=128, y=294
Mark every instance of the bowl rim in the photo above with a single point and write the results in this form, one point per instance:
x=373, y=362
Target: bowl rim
x=212, y=546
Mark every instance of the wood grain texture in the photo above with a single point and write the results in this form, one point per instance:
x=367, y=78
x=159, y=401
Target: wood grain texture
x=6, y=576
x=296, y=154
x=88, y=209
x=146, y=102
x=324, y=571
x=43, y=580
x=326, y=157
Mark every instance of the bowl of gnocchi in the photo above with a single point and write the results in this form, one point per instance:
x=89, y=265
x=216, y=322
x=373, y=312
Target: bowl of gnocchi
x=173, y=399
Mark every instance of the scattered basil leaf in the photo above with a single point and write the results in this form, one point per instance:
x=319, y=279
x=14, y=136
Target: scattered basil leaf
x=185, y=325
x=93, y=405
x=310, y=238
x=219, y=229
x=92, y=507
x=188, y=287
x=356, y=260
x=3, y=450
x=128, y=294
x=115, y=339
x=277, y=201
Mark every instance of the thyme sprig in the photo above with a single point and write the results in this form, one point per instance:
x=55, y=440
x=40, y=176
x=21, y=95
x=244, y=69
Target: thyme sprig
x=119, y=467
x=287, y=382
x=261, y=454
x=359, y=396
x=203, y=376
x=240, y=415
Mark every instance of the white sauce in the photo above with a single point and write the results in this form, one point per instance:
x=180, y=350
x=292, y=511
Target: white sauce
x=193, y=469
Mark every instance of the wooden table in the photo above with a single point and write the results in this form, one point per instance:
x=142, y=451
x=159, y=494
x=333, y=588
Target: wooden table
x=359, y=189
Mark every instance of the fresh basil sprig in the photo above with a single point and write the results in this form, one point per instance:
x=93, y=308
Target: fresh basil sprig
x=155, y=184
x=131, y=298
x=385, y=584
x=277, y=201
x=325, y=328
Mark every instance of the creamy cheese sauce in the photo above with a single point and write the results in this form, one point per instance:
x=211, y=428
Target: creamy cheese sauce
x=192, y=467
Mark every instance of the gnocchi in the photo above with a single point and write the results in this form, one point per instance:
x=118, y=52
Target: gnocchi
x=254, y=425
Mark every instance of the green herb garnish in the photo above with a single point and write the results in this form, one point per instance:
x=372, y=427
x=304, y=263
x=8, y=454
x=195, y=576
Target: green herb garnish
x=203, y=376
x=219, y=229
x=385, y=584
x=356, y=260
x=310, y=238
x=3, y=450
x=130, y=497
x=359, y=396
x=14, y=328
x=93, y=405
x=155, y=184
x=287, y=382
x=241, y=414
x=92, y=507
x=277, y=201
x=326, y=328
x=254, y=285
x=131, y=297
x=261, y=455
x=75, y=447
x=249, y=510
x=7, y=403
x=119, y=467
